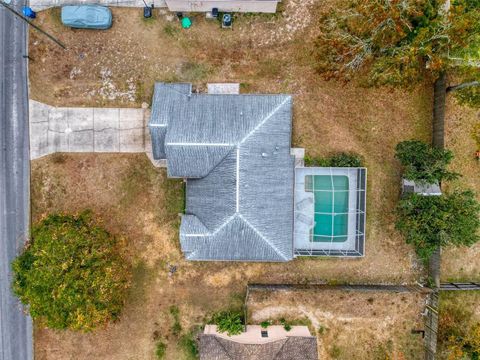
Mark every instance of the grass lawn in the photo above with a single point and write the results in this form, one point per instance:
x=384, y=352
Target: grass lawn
x=136, y=201
x=462, y=263
x=349, y=324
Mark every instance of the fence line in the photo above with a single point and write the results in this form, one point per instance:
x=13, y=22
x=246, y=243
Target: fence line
x=457, y=286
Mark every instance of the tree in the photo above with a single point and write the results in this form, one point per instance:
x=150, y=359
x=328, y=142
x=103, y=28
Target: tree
x=72, y=274
x=423, y=163
x=431, y=221
x=400, y=42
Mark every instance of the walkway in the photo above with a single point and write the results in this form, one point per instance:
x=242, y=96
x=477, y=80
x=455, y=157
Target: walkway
x=38, y=5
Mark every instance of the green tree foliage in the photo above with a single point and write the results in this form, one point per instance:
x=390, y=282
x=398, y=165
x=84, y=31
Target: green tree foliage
x=398, y=42
x=429, y=221
x=229, y=322
x=459, y=334
x=423, y=162
x=71, y=275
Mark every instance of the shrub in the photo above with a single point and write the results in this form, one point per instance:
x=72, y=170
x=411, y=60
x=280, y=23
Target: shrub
x=160, y=350
x=429, y=221
x=229, y=322
x=336, y=160
x=286, y=325
x=424, y=163
x=71, y=275
x=265, y=324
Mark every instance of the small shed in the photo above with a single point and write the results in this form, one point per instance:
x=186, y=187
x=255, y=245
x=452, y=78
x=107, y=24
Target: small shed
x=410, y=186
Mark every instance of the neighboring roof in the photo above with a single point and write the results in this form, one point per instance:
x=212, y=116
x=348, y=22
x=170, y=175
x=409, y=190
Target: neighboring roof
x=212, y=347
x=235, y=152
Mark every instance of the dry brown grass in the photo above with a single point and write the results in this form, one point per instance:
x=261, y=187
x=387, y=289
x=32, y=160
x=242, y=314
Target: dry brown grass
x=349, y=324
x=462, y=263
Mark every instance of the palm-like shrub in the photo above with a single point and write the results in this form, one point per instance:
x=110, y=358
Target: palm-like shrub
x=229, y=322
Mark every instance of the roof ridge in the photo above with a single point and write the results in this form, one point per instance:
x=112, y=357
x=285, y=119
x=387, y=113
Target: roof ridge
x=281, y=348
x=265, y=119
x=262, y=237
x=223, y=347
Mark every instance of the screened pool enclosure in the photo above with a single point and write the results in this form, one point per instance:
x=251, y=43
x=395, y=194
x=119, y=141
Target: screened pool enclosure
x=330, y=211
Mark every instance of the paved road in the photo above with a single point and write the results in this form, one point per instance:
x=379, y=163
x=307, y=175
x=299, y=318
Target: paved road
x=15, y=327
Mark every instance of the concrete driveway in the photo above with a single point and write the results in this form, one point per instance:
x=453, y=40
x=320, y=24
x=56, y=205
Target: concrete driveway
x=68, y=129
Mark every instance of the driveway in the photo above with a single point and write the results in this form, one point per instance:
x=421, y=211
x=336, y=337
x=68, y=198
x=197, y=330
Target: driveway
x=105, y=130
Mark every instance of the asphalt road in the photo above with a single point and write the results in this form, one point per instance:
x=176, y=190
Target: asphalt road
x=15, y=327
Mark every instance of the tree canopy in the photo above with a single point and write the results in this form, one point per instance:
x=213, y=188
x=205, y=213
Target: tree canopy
x=424, y=163
x=399, y=42
x=430, y=221
x=72, y=274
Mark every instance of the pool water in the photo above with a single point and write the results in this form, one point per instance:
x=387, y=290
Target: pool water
x=330, y=206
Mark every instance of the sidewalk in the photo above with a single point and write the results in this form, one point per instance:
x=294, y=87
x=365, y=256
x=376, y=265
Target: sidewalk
x=65, y=129
x=38, y=5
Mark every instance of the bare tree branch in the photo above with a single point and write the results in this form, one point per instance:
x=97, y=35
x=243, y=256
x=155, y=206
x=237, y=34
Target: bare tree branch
x=463, y=86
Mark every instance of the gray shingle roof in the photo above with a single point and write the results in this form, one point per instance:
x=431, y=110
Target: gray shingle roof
x=235, y=152
x=212, y=347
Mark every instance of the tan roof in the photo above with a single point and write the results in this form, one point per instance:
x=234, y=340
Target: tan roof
x=213, y=347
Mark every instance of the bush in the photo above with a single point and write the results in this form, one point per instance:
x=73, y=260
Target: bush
x=71, y=275
x=160, y=350
x=429, y=221
x=424, y=163
x=229, y=322
x=265, y=324
x=286, y=325
x=458, y=333
x=336, y=160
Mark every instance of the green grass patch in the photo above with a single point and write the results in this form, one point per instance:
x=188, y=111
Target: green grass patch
x=176, y=326
x=194, y=72
x=171, y=30
x=160, y=350
x=188, y=345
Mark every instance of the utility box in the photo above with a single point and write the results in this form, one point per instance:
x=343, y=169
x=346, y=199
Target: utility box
x=410, y=186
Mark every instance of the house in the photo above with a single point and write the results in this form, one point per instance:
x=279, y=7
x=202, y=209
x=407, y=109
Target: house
x=273, y=343
x=245, y=198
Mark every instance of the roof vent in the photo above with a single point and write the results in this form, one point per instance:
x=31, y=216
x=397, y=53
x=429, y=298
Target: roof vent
x=264, y=155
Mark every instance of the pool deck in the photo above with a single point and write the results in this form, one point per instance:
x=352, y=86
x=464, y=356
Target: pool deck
x=304, y=210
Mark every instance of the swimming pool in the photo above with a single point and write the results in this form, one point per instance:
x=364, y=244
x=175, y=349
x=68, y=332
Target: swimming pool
x=330, y=211
x=331, y=198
